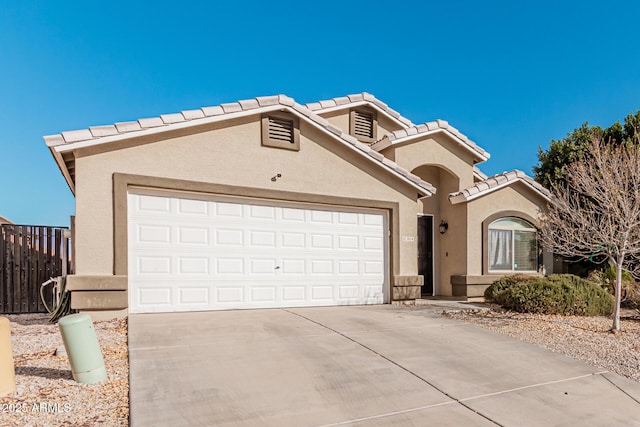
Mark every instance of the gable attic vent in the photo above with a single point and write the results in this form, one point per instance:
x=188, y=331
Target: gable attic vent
x=281, y=131
x=363, y=125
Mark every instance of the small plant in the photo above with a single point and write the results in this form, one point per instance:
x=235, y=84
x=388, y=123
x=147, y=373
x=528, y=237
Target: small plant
x=557, y=294
x=630, y=289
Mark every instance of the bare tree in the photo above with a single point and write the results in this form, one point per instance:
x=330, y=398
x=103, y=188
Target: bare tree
x=596, y=215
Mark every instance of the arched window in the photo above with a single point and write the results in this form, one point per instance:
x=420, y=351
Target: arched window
x=513, y=245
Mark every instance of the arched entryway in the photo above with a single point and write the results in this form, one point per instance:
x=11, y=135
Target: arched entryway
x=436, y=222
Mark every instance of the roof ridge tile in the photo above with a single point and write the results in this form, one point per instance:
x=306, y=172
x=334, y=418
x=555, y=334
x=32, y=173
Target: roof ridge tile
x=249, y=104
x=193, y=114
x=497, y=181
x=103, y=130
x=150, y=122
x=172, y=118
x=126, y=127
x=77, y=135
x=215, y=110
x=231, y=107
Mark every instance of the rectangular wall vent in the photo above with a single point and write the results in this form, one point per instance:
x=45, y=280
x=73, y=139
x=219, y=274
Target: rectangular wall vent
x=363, y=125
x=281, y=130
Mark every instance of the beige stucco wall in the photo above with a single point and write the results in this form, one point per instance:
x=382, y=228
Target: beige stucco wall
x=450, y=247
x=340, y=119
x=440, y=150
x=232, y=155
x=510, y=200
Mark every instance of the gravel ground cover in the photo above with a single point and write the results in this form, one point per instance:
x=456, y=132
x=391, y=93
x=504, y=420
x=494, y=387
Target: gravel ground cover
x=47, y=395
x=584, y=338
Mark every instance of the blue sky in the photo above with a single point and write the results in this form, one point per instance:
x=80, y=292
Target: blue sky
x=511, y=75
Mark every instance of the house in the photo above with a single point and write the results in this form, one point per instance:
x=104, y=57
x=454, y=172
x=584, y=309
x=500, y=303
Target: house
x=4, y=220
x=269, y=203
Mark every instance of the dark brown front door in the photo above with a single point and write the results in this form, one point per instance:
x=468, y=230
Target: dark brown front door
x=425, y=253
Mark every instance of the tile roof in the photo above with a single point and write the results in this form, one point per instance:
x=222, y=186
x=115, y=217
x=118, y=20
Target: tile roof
x=4, y=220
x=358, y=98
x=496, y=182
x=478, y=174
x=70, y=140
x=428, y=128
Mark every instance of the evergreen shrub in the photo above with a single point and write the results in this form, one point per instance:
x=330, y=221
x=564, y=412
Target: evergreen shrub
x=556, y=294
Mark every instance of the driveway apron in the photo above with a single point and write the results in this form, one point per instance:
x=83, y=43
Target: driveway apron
x=364, y=365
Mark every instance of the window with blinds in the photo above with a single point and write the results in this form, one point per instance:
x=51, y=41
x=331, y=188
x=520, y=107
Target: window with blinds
x=525, y=249
x=363, y=125
x=281, y=131
x=513, y=245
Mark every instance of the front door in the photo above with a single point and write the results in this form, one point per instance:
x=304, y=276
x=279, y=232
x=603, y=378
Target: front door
x=425, y=252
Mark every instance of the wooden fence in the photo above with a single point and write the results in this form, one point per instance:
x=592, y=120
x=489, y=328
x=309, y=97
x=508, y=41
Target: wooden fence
x=29, y=256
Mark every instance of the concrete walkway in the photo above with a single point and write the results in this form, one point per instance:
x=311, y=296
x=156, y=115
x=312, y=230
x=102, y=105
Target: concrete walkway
x=366, y=365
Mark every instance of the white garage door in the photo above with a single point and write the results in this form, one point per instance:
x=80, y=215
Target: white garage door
x=190, y=254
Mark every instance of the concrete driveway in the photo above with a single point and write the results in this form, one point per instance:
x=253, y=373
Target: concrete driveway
x=366, y=365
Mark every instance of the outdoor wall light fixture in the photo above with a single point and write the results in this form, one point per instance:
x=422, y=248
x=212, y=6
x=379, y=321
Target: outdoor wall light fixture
x=444, y=226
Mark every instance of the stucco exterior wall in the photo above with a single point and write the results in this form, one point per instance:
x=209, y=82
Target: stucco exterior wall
x=438, y=150
x=340, y=119
x=510, y=200
x=450, y=247
x=231, y=154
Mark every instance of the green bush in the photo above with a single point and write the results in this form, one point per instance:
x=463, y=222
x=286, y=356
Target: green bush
x=492, y=293
x=557, y=294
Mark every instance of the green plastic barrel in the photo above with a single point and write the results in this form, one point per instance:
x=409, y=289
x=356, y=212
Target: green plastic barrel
x=7, y=370
x=83, y=349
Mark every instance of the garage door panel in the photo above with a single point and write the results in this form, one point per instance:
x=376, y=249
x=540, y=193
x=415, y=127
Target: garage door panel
x=232, y=210
x=229, y=237
x=194, y=266
x=294, y=294
x=230, y=294
x=263, y=238
x=195, y=254
x=193, y=207
x=230, y=266
x=149, y=233
x=194, y=295
x=145, y=203
x=292, y=215
x=153, y=265
x=262, y=267
x=193, y=235
x=154, y=296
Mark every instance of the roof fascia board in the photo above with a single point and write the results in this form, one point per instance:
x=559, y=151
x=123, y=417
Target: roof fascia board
x=207, y=120
x=360, y=104
x=459, y=198
x=353, y=147
x=63, y=168
x=175, y=126
x=453, y=136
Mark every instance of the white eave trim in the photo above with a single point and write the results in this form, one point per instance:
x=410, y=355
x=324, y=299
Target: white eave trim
x=62, y=148
x=460, y=197
x=63, y=168
x=464, y=145
x=424, y=192
x=357, y=104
